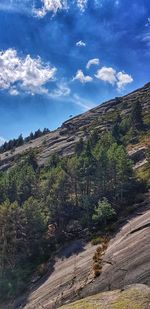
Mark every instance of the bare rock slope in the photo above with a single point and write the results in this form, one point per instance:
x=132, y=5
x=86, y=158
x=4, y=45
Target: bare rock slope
x=127, y=259
x=72, y=270
x=125, y=262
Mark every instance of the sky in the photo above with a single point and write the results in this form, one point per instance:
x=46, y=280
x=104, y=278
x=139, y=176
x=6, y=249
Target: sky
x=62, y=57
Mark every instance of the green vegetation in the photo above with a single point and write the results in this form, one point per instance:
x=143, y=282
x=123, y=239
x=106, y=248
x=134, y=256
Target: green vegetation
x=67, y=189
x=132, y=298
x=143, y=174
x=12, y=144
x=96, y=240
x=41, y=208
x=127, y=129
x=103, y=212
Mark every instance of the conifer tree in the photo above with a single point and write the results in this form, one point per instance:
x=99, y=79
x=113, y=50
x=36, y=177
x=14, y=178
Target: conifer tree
x=136, y=116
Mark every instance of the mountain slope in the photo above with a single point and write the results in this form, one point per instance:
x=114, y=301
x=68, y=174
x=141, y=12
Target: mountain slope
x=81, y=196
x=63, y=140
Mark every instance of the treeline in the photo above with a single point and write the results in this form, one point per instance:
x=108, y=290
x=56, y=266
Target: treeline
x=12, y=144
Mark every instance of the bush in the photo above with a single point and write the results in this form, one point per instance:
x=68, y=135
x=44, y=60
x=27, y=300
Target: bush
x=97, y=268
x=97, y=240
x=103, y=212
x=97, y=273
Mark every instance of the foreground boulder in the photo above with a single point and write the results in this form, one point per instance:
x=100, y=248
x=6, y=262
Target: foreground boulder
x=127, y=259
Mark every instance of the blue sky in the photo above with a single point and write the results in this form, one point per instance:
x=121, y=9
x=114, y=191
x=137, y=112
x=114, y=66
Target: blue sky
x=62, y=57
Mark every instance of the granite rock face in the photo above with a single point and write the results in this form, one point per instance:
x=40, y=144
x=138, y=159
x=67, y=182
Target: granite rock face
x=125, y=262
x=127, y=259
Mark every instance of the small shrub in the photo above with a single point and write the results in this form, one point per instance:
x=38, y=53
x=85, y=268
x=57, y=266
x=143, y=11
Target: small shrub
x=99, y=250
x=96, y=266
x=97, y=273
x=97, y=269
x=105, y=245
x=97, y=240
x=97, y=258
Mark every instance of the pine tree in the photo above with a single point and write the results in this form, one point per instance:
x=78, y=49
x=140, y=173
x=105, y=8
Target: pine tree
x=103, y=212
x=136, y=116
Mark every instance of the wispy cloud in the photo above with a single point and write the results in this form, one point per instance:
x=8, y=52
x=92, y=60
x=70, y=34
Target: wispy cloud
x=61, y=90
x=148, y=22
x=94, y=61
x=83, y=103
x=23, y=7
x=82, y=78
x=145, y=38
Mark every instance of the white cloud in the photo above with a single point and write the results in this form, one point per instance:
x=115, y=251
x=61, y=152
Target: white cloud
x=110, y=75
x=24, y=74
x=94, y=61
x=82, y=4
x=82, y=78
x=123, y=80
x=29, y=7
x=107, y=75
x=81, y=44
x=50, y=6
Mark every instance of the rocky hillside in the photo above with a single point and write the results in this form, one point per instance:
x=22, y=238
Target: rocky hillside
x=125, y=262
x=63, y=140
x=55, y=211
